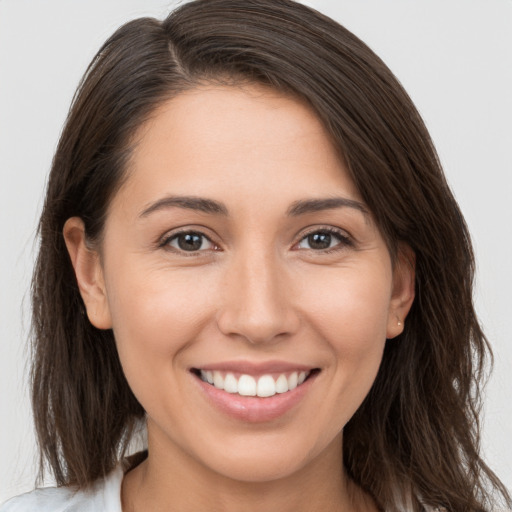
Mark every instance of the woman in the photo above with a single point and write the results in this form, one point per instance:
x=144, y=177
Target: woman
x=248, y=243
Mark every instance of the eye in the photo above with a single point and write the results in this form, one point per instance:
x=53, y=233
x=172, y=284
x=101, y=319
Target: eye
x=189, y=241
x=323, y=240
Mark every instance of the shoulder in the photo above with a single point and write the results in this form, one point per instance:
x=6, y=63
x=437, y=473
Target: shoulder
x=103, y=496
x=50, y=499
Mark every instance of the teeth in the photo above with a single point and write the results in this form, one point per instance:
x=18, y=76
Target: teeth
x=218, y=380
x=230, y=383
x=293, y=381
x=282, y=384
x=247, y=385
x=266, y=386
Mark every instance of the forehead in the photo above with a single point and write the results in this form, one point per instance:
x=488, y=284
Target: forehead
x=251, y=139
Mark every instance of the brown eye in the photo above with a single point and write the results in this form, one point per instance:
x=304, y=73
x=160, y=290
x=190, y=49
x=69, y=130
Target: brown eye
x=323, y=239
x=190, y=241
x=319, y=240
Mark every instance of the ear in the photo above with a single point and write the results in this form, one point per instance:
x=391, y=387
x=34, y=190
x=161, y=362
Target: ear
x=89, y=273
x=403, y=290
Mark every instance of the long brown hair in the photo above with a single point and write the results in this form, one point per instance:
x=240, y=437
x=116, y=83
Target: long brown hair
x=416, y=436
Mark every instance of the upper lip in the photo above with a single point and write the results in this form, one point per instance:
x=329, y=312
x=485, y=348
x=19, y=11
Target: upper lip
x=255, y=368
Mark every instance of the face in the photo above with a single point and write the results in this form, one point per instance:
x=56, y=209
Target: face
x=239, y=252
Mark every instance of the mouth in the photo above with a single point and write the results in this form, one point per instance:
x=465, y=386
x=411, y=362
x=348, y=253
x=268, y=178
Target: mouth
x=264, y=385
x=255, y=392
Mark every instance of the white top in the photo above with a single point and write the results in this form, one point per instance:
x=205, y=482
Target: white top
x=104, y=496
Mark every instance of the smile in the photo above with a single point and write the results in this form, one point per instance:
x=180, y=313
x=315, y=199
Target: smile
x=248, y=385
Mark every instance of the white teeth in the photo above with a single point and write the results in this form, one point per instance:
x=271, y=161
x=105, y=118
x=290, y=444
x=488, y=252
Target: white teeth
x=266, y=386
x=208, y=376
x=282, y=384
x=247, y=385
x=230, y=384
x=292, y=381
x=218, y=380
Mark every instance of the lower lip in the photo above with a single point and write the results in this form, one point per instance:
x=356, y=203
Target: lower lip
x=254, y=409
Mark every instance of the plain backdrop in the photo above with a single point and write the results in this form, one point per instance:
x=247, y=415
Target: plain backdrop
x=454, y=57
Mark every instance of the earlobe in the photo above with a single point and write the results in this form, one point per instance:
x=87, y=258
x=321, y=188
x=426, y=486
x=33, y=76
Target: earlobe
x=403, y=292
x=88, y=272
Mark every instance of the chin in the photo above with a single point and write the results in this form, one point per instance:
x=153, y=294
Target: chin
x=260, y=469
x=265, y=459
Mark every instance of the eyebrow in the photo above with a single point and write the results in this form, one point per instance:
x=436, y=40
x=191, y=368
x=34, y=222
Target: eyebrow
x=189, y=202
x=297, y=208
x=302, y=207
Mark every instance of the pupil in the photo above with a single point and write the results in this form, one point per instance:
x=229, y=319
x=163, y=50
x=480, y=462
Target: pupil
x=190, y=242
x=319, y=240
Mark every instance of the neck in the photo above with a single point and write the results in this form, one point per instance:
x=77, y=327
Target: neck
x=177, y=482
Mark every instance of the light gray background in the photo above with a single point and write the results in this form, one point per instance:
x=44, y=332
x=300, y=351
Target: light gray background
x=453, y=56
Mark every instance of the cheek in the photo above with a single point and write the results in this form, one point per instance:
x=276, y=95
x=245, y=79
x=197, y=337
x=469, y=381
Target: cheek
x=155, y=315
x=350, y=314
x=350, y=306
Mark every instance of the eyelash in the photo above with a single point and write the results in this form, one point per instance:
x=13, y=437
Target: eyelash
x=343, y=238
x=165, y=242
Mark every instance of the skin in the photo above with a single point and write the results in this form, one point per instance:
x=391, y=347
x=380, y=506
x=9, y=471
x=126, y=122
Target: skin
x=257, y=291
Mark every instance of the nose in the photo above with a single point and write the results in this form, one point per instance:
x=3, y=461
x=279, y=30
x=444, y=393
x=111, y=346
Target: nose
x=257, y=303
